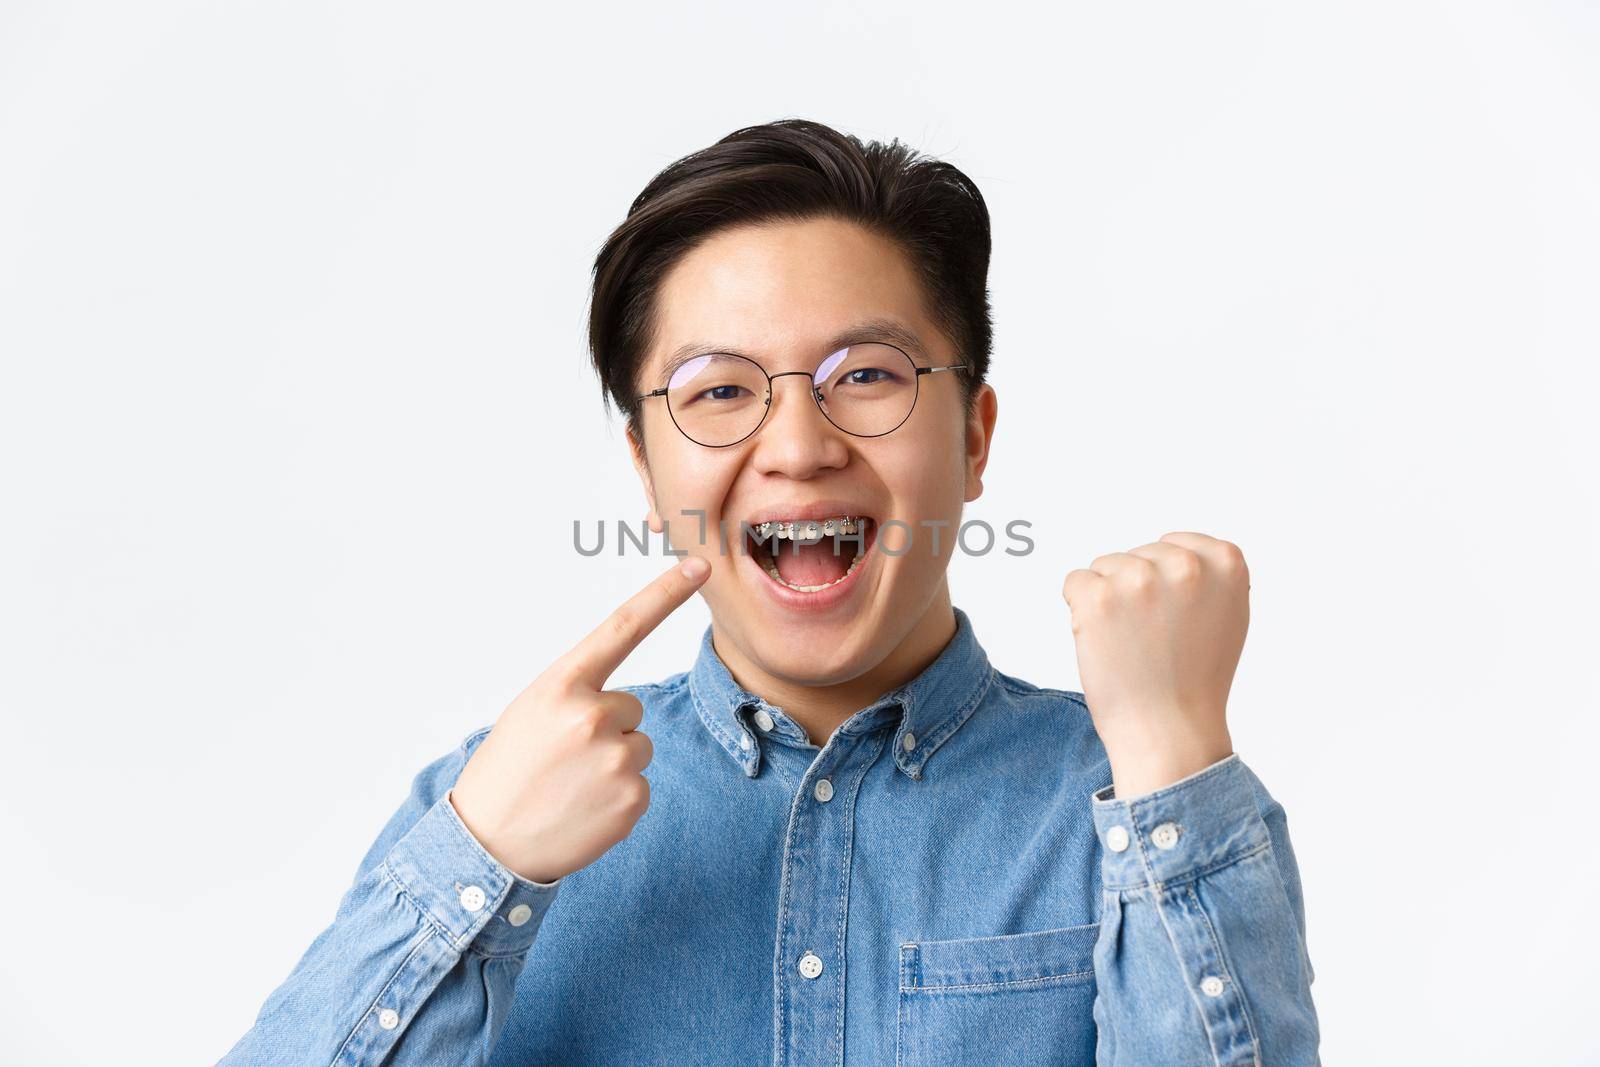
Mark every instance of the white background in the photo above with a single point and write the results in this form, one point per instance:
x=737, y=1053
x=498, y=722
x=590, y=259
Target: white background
x=295, y=417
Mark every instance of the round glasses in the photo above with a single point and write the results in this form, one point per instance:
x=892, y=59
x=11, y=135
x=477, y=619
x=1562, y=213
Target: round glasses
x=866, y=390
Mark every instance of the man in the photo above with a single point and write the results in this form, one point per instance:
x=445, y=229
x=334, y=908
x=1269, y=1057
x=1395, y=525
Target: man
x=842, y=836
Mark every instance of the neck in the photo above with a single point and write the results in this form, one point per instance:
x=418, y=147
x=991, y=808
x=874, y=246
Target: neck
x=821, y=708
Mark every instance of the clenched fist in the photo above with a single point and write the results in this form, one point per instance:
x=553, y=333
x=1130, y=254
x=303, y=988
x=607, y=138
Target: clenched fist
x=1158, y=631
x=559, y=780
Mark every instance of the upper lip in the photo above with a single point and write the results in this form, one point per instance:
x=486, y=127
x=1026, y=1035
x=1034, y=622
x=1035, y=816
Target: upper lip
x=818, y=509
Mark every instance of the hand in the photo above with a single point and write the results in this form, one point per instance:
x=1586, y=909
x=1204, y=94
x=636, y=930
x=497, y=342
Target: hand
x=558, y=779
x=1159, y=630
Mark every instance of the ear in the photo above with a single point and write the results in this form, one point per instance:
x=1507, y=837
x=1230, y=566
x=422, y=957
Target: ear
x=641, y=465
x=979, y=435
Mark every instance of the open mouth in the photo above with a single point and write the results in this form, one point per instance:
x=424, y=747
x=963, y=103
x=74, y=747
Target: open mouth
x=810, y=555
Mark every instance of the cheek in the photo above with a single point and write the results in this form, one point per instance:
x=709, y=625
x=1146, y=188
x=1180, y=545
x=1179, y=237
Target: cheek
x=925, y=477
x=690, y=491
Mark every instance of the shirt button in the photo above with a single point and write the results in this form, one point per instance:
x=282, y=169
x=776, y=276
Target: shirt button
x=388, y=1018
x=1117, y=838
x=1165, y=835
x=810, y=965
x=519, y=915
x=1211, y=986
x=763, y=720
x=472, y=898
x=823, y=790
x=908, y=742
x=745, y=742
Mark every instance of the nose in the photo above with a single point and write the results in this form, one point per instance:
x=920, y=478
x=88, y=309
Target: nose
x=796, y=439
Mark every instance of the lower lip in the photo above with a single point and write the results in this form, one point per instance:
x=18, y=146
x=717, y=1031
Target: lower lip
x=795, y=600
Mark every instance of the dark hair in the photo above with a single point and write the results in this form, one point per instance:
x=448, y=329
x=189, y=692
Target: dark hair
x=794, y=169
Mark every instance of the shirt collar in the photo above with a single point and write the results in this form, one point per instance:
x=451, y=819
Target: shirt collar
x=926, y=711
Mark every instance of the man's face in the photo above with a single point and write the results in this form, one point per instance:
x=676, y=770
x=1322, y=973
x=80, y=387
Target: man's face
x=778, y=293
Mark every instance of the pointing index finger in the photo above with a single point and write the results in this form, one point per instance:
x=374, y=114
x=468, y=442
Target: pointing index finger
x=597, y=656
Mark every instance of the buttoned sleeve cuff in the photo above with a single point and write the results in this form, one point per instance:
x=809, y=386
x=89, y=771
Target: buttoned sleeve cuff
x=1180, y=832
x=475, y=900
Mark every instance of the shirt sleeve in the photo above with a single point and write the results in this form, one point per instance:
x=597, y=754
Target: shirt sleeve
x=1201, y=956
x=420, y=963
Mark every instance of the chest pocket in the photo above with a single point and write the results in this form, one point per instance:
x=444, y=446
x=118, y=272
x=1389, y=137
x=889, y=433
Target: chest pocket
x=1013, y=999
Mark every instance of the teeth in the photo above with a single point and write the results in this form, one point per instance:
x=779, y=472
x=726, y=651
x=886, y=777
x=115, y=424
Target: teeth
x=810, y=530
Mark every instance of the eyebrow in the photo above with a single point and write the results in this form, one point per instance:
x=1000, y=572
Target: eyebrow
x=875, y=329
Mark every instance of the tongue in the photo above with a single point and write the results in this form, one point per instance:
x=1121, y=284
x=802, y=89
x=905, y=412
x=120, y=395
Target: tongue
x=817, y=564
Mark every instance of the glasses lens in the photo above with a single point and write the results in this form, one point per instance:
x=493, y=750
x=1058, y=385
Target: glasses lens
x=717, y=399
x=867, y=389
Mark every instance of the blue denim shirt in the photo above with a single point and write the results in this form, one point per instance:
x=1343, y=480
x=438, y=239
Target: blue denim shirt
x=948, y=879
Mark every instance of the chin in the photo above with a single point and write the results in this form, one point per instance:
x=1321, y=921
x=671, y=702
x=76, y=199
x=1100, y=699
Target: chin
x=812, y=660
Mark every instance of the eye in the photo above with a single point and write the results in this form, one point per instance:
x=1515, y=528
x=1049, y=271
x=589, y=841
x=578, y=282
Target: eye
x=722, y=392
x=866, y=376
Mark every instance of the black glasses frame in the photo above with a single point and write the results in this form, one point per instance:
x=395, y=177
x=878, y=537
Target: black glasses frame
x=816, y=395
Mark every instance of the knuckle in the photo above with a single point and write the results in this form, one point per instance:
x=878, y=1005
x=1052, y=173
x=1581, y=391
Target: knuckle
x=591, y=722
x=1186, y=567
x=621, y=623
x=619, y=761
x=636, y=795
x=1089, y=597
x=1141, y=580
x=623, y=759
